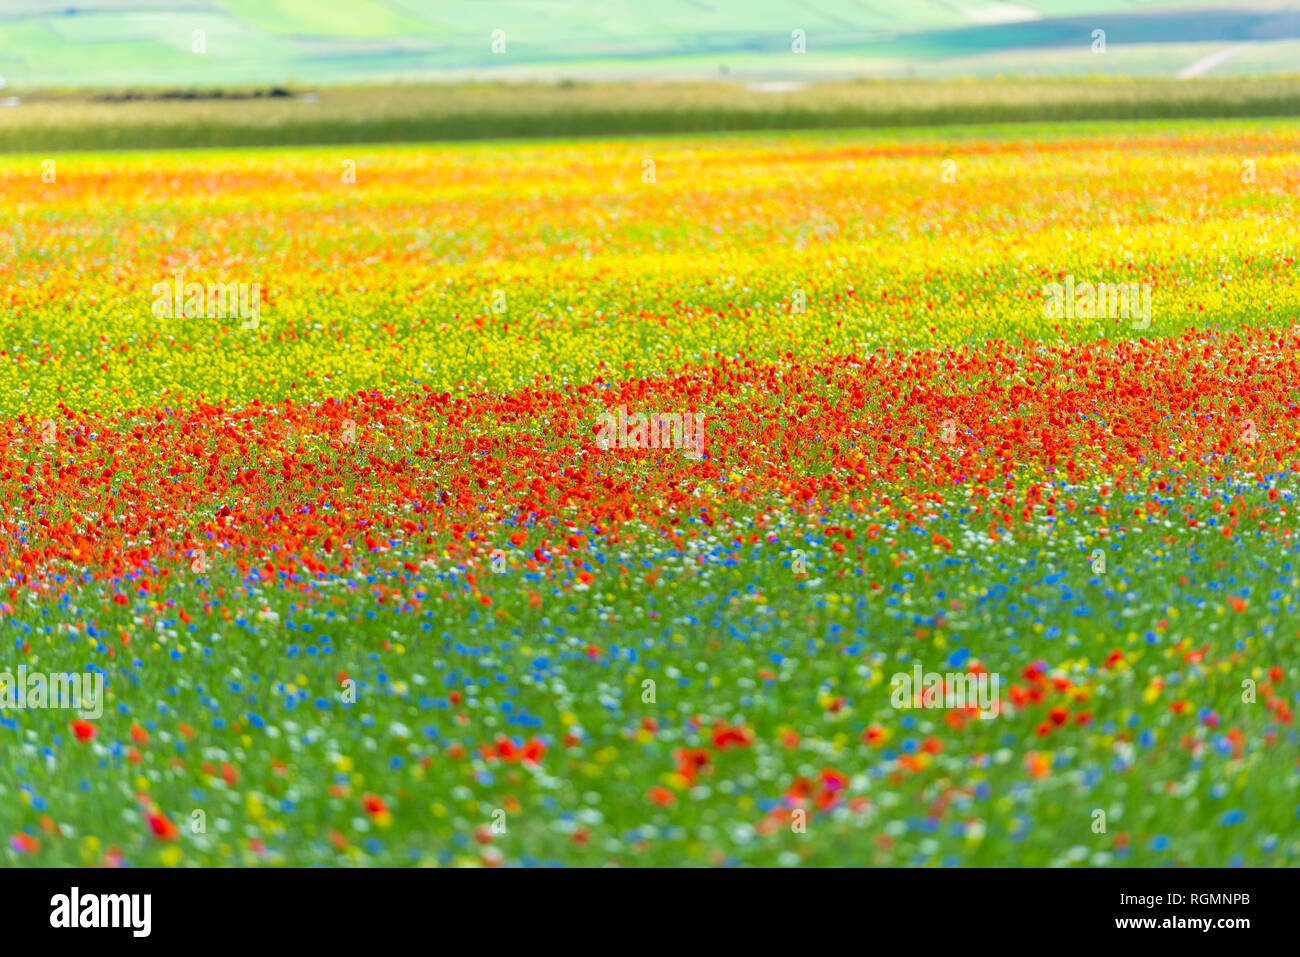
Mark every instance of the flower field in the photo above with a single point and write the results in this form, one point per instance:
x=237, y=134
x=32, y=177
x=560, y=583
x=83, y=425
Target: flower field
x=363, y=587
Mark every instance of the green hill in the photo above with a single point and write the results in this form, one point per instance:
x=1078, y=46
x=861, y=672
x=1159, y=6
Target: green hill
x=116, y=43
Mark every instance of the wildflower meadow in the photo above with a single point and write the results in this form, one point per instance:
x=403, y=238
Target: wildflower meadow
x=900, y=498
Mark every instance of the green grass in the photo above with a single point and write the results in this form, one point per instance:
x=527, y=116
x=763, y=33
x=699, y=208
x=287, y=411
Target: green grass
x=66, y=121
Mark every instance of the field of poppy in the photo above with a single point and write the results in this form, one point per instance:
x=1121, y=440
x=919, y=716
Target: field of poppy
x=301, y=455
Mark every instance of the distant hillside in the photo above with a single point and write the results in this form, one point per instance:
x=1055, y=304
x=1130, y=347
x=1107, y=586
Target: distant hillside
x=117, y=43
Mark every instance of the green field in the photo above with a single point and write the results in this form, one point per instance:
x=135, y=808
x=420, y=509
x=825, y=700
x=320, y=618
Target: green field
x=412, y=113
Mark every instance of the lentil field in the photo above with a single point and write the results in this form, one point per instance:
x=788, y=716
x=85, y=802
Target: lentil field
x=368, y=583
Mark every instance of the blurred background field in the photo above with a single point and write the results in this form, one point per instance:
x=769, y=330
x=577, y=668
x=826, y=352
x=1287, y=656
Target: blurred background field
x=121, y=74
x=396, y=113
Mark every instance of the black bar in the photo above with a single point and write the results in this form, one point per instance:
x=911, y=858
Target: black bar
x=336, y=907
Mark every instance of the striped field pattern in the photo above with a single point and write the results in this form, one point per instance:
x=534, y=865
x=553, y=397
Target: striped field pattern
x=301, y=453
